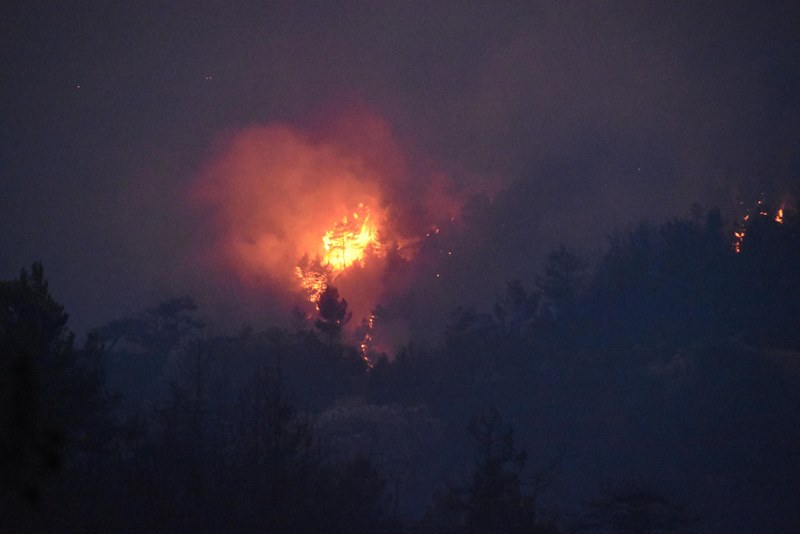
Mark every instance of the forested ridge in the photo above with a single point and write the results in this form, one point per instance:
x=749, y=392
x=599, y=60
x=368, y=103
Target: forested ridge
x=654, y=389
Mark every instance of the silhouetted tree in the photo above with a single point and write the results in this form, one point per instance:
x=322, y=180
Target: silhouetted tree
x=333, y=314
x=139, y=345
x=493, y=500
x=49, y=391
x=633, y=509
x=516, y=309
x=157, y=330
x=356, y=500
x=562, y=282
x=765, y=286
x=471, y=340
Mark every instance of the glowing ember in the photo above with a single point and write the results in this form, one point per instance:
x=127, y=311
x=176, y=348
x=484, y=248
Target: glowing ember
x=740, y=232
x=366, y=342
x=779, y=215
x=738, y=238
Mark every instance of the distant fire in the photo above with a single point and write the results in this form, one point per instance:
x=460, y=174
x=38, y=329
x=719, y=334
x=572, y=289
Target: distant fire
x=740, y=232
x=339, y=202
x=738, y=238
x=366, y=342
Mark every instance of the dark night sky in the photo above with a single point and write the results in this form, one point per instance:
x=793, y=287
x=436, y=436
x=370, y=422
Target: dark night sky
x=592, y=114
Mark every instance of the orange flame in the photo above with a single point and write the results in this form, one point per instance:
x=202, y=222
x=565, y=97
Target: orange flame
x=779, y=215
x=741, y=228
x=347, y=243
x=314, y=278
x=283, y=211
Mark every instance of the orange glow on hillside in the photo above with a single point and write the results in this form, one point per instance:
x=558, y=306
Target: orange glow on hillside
x=338, y=202
x=346, y=243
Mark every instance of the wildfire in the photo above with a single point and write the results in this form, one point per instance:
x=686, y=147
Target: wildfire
x=366, y=342
x=314, y=277
x=347, y=243
x=740, y=232
x=738, y=238
x=779, y=215
x=293, y=210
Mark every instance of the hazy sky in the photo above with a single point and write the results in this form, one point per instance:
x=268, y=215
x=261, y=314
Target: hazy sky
x=573, y=116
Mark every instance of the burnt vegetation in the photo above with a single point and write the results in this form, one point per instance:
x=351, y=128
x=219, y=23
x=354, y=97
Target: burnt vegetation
x=652, y=390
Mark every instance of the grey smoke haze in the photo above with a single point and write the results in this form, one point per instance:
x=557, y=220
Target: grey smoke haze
x=574, y=116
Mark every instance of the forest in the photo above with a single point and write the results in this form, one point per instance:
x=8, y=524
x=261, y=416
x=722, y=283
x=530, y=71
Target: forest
x=652, y=389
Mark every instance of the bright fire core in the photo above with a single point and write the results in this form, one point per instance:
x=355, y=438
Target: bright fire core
x=348, y=242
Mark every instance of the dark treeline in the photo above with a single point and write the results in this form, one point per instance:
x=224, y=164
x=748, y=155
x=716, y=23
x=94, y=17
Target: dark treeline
x=655, y=390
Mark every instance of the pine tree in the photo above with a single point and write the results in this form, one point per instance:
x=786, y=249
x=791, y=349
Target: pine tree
x=333, y=314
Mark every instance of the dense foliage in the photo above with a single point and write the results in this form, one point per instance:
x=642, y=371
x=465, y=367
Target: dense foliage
x=654, y=390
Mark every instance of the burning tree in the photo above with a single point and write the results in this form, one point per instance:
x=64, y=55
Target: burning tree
x=349, y=240
x=314, y=276
x=347, y=243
